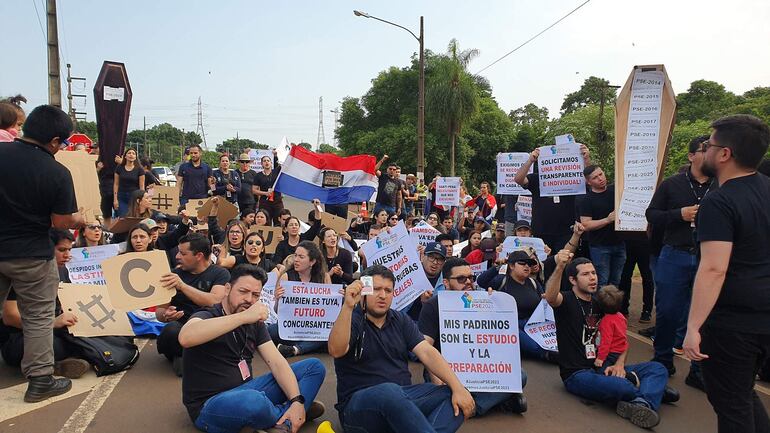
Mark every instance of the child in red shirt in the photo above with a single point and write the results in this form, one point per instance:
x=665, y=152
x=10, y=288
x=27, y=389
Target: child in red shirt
x=612, y=340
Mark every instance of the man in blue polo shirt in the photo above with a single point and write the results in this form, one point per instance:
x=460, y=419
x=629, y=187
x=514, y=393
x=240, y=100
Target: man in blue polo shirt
x=194, y=177
x=371, y=346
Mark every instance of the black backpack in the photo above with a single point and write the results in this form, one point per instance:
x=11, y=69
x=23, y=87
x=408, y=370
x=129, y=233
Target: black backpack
x=108, y=355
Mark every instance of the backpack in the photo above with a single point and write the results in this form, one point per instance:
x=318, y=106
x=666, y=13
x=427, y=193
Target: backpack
x=109, y=354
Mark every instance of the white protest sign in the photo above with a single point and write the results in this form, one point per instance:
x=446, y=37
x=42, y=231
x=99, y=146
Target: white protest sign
x=480, y=339
x=396, y=251
x=423, y=233
x=479, y=268
x=514, y=243
x=541, y=327
x=560, y=170
x=85, y=267
x=267, y=297
x=524, y=208
x=457, y=249
x=448, y=191
x=307, y=311
x=256, y=155
x=508, y=165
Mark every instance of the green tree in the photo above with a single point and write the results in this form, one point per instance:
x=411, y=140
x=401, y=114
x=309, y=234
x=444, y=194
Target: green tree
x=453, y=97
x=582, y=124
x=328, y=148
x=165, y=142
x=88, y=128
x=590, y=93
x=703, y=100
x=488, y=132
x=236, y=146
x=531, y=123
x=678, y=149
x=307, y=146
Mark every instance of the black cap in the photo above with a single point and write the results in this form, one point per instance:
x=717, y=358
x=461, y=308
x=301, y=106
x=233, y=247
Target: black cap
x=488, y=246
x=158, y=217
x=435, y=248
x=520, y=224
x=520, y=256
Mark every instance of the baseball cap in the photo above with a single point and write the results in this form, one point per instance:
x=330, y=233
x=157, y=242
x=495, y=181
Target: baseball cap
x=435, y=248
x=520, y=224
x=520, y=256
x=488, y=246
x=160, y=217
x=149, y=223
x=244, y=157
x=500, y=228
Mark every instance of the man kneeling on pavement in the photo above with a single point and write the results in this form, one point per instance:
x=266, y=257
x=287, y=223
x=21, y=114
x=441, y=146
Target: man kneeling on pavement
x=219, y=343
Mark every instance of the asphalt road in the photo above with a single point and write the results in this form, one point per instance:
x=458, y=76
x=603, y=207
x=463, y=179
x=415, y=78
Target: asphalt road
x=147, y=398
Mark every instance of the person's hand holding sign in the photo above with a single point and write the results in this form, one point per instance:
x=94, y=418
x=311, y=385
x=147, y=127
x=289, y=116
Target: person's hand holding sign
x=586, y=153
x=65, y=319
x=353, y=294
x=168, y=314
x=534, y=155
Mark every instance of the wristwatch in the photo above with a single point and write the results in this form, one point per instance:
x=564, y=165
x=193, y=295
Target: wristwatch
x=298, y=399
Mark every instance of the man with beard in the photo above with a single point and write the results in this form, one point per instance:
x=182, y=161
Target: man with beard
x=577, y=319
x=370, y=344
x=194, y=177
x=220, y=342
x=731, y=296
x=433, y=258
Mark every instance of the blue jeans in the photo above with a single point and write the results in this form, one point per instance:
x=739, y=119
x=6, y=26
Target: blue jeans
x=260, y=402
x=123, y=199
x=674, y=276
x=485, y=401
x=608, y=261
x=388, y=408
x=303, y=346
x=594, y=385
x=529, y=347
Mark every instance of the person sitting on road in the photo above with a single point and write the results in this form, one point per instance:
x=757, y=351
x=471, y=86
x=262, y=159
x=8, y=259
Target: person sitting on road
x=370, y=344
x=612, y=339
x=577, y=322
x=218, y=388
x=458, y=276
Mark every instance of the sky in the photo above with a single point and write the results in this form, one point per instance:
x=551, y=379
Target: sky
x=260, y=67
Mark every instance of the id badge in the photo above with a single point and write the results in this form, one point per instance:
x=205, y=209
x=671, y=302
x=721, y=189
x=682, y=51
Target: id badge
x=556, y=199
x=244, y=368
x=590, y=351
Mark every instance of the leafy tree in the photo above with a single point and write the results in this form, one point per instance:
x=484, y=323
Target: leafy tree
x=703, y=100
x=87, y=128
x=165, y=142
x=453, y=97
x=683, y=133
x=488, y=133
x=236, y=146
x=328, y=148
x=582, y=124
x=531, y=123
x=590, y=93
x=307, y=146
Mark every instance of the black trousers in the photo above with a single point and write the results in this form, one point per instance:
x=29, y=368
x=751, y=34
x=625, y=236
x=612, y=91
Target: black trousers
x=13, y=348
x=168, y=340
x=729, y=374
x=638, y=253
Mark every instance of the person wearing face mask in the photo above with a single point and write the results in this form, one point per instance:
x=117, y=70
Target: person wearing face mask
x=293, y=236
x=11, y=117
x=129, y=177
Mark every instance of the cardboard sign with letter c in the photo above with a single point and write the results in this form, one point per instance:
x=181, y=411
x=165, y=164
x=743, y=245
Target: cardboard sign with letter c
x=133, y=280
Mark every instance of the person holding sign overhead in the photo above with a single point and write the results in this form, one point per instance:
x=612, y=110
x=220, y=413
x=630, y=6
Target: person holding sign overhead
x=370, y=344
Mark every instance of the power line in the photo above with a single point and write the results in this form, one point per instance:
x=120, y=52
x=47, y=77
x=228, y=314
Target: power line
x=533, y=37
x=40, y=23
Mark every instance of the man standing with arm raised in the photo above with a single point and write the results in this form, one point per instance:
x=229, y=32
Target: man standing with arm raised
x=37, y=193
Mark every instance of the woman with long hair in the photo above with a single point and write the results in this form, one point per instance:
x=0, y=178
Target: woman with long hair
x=139, y=239
x=293, y=237
x=474, y=240
x=232, y=246
x=434, y=220
x=254, y=254
x=392, y=219
x=139, y=205
x=339, y=261
x=92, y=235
x=11, y=117
x=129, y=177
x=361, y=226
x=262, y=218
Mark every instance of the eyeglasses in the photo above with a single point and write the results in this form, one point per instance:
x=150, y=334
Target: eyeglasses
x=462, y=279
x=706, y=144
x=236, y=232
x=436, y=259
x=94, y=227
x=257, y=243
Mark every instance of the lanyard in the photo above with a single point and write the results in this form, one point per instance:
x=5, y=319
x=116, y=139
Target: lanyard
x=695, y=194
x=235, y=338
x=587, y=330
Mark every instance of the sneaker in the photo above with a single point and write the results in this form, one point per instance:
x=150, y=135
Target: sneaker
x=516, y=404
x=44, y=387
x=288, y=351
x=678, y=351
x=633, y=378
x=648, y=332
x=176, y=365
x=316, y=410
x=695, y=380
x=639, y=414
x=670, y=395
x=71, y=368
x=646, y=317
x=552, y=357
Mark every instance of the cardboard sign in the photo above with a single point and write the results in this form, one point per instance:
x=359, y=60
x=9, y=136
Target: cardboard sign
x=480, y=339
x=397, y=252
x=514, y=243
x=524, y=208
x=560, y=170
x=165, y=199
x=133, y=279
x=123, y=225
x=82, y=167
x=340, y=225
x=423, y=233
x=85, y=267
x=193, y=205
x=508, y=165
x=448, y=191
x=225, y=211
x=541, y=327
x=307, y=311
x=271, y=235
x=96, y=314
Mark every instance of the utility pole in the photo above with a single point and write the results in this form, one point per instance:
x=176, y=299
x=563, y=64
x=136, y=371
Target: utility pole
x=71, y=109
x=199, y=129
x=321, y=138
x=54, y=78
x=421, y=109
x=336, y=112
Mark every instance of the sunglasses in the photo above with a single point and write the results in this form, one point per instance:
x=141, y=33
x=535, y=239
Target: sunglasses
x=462, y=279
x=257, y=243
x=394, y=218
x=526, y=262
x=94, y=227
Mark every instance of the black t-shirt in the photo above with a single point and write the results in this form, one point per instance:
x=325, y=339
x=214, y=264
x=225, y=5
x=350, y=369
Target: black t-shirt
x=264, y=263
x=570, y=324
x=429, y=321
x=33, y=185
x=598, y=205
x=384, y=358
x=551, y=216
x=245, y=194
x=388, y=190
x=212, y=276
x=739, y=212
x=264, y=182
x=527, y=295
x=128, y=181
x=212, y=368
x=665, y=209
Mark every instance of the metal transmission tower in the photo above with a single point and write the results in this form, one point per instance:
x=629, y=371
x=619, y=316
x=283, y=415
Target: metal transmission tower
x=72, y=111
x=321, y=136
x=336, y=112
x=199, y=130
